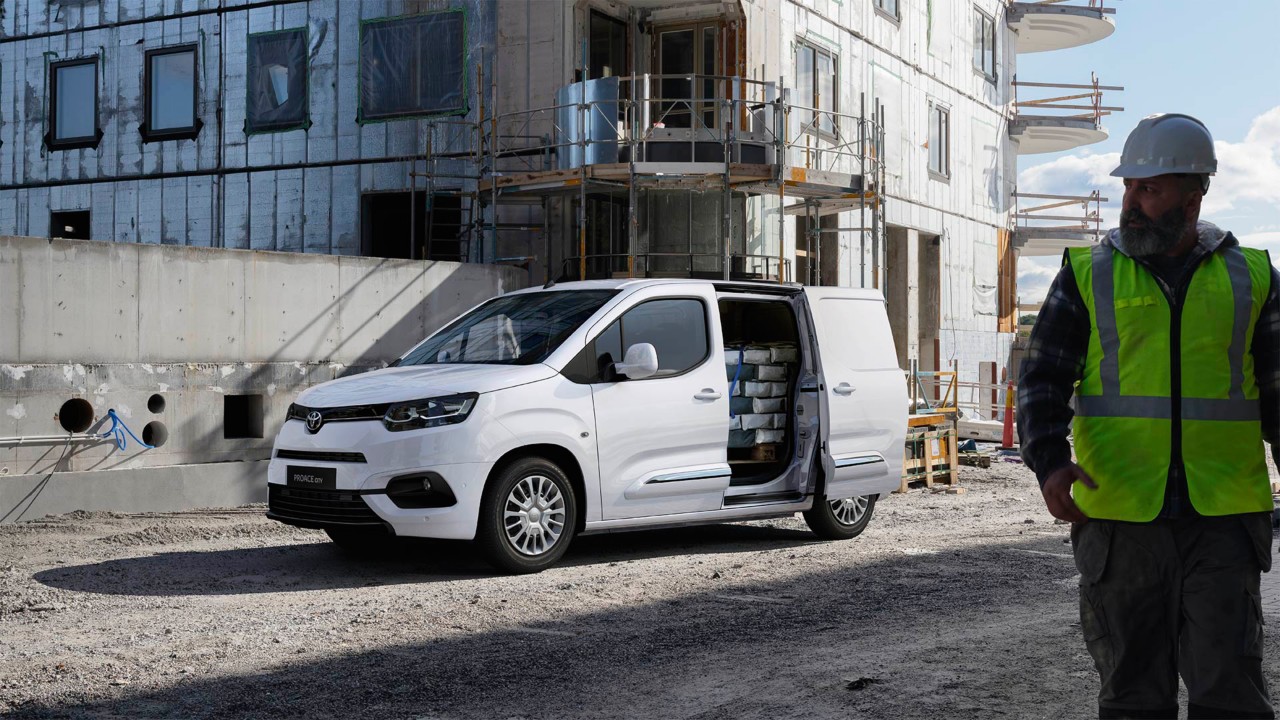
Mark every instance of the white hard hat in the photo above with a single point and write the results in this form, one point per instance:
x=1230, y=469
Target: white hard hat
x=1165, y=144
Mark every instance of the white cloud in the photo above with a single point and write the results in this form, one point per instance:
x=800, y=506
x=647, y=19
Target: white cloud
x=1269, y=241
x=1248, y=171
x=1034, y=277
x=1077, y=175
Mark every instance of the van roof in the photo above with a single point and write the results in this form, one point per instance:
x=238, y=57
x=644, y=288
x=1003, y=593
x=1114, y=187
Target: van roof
x=633, y=283
x=748, y=286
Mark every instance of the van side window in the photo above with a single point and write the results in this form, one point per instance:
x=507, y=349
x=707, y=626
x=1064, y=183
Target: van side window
x=676, y=328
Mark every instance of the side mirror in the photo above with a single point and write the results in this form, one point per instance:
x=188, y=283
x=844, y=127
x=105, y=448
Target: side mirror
x=640, y=362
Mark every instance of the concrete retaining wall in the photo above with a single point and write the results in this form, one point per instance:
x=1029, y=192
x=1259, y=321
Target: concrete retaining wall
x=212, y=345
x=161, y=489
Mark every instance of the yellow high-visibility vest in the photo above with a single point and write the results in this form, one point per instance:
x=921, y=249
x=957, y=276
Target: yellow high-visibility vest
x=1128, y=409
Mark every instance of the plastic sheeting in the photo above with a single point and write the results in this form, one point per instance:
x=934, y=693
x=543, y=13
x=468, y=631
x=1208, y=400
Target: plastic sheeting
x=984, y=299
x=277, y=81
x=412, y=66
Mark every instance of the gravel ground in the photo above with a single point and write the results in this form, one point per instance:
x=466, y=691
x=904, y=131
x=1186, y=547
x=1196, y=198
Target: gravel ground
x=949, y=605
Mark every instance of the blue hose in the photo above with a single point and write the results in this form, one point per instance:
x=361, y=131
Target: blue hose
x=118, y=429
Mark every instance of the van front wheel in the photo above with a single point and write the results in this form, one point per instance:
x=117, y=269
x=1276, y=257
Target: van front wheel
x=840, y=519
x=527, y=516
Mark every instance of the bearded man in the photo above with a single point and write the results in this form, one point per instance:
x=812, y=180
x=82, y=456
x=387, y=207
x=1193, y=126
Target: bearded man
x=1167, y=333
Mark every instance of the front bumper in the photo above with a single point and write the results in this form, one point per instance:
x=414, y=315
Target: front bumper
x=359, y=497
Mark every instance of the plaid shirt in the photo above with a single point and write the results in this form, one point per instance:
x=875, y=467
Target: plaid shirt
x=1055, y=361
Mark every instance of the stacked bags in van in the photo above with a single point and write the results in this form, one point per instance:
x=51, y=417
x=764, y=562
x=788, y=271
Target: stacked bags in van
x=757, y=377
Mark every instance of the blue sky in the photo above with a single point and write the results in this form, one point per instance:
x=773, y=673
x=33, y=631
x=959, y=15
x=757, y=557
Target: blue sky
x=1218, y=61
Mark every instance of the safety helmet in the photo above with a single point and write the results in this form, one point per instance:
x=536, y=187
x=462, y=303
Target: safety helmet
x=1168, y=143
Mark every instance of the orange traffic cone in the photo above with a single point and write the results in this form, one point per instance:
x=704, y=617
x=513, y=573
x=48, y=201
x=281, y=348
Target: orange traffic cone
x=1007, y=442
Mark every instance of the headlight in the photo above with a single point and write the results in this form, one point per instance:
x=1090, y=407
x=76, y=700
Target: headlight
x=296, y=412
x=432, y=412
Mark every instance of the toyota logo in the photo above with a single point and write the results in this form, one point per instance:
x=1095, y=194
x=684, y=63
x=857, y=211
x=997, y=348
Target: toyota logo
x=314, y=421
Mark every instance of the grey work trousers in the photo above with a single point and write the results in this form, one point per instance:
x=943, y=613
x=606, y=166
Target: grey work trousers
x=1170, y=598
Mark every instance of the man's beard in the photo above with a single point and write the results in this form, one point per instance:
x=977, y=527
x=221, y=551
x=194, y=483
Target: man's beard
x=1154, y=237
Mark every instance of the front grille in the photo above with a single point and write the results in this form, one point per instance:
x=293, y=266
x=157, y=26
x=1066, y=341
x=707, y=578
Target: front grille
x=319, y=508
x=339, y=414
x=336, y=457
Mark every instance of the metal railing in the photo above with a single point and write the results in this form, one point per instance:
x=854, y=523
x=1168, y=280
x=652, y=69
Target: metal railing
x=1089, y=218
x=1100, y=5
x=742, y=266
x=1086, y=105
x=721, y=119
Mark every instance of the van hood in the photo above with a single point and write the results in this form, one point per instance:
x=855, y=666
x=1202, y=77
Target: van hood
x=415, y=382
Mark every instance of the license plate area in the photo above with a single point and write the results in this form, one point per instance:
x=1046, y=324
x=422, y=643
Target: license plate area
x=313, y=478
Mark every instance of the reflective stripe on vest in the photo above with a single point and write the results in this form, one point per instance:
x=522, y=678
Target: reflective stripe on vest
x=1125, y=405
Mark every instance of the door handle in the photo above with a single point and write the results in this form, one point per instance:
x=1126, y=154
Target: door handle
x=707, y=394
x=844, y=389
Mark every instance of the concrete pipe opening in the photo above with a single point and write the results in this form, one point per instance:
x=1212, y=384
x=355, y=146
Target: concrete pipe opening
x=155, y=403
x=155, y=433
x=75, y=415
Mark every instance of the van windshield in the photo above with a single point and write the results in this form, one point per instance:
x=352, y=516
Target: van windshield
x=513, y=330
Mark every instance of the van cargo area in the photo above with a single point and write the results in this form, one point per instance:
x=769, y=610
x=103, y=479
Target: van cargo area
x=762, y=361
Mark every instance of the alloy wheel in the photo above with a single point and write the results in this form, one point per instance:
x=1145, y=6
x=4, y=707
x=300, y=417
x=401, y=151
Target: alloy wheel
x=534, y=515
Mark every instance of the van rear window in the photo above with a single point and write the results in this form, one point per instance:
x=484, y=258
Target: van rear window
x=511, y=330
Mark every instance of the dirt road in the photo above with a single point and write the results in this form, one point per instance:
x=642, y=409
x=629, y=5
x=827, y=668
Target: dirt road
x=949, y=605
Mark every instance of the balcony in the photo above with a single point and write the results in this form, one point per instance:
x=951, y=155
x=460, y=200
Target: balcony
x=1063, y=122
x=1049, y=25
x=1046, y=229
x=700, y=132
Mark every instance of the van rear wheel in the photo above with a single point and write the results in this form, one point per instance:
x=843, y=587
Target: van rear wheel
x=527, y=517
x=840, y=519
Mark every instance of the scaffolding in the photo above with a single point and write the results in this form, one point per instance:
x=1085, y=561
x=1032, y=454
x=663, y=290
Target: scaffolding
x=707, y=134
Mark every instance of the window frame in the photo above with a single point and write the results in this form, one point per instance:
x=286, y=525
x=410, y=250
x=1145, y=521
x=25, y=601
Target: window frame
x=988, y=23
x=181, y=133
x=817, y=129
x=305, y=122
x=51, y=140
x=588, y=357
x=938, y=110
x=363, y=118
x=895, y=16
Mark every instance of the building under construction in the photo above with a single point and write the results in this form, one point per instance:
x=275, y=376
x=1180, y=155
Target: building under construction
x=859, y=143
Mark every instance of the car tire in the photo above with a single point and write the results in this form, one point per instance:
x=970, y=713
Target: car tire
x=361, y=541
x=527, y=516
x=841, y=519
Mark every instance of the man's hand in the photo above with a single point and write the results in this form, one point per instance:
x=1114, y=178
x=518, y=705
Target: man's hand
x=1057, y=492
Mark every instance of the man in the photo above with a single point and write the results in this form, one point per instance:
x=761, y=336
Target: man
x=1168, y=335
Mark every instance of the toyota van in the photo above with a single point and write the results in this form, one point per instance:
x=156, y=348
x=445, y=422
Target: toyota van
x=600, y=406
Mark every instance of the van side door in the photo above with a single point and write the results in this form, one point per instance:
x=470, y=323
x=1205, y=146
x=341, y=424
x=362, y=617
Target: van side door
x=864, y=394
x=662, y=441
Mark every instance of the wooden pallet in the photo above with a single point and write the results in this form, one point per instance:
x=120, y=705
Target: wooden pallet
x=930, y=453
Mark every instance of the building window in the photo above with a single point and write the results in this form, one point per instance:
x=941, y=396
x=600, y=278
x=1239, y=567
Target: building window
x=171, y=94
x=608, y=46
x=73, y=104
x=277, y=81
x=412, y=66
x=69, y=224
x=984, y=44
x=816, y=89
x=888, y=7
x=939, y=140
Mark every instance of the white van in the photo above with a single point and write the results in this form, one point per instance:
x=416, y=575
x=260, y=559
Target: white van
x=598, y=406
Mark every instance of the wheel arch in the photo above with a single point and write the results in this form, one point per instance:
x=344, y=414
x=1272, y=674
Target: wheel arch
x=559, y=455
